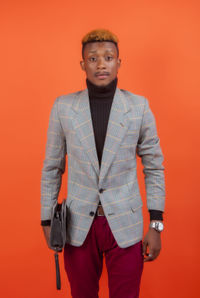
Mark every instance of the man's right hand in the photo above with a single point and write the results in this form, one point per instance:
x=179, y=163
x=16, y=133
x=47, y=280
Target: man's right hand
x=46, y=230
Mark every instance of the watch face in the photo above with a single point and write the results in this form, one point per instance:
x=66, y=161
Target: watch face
x=160, y=226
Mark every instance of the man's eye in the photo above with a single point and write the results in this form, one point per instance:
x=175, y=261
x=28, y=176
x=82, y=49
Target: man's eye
x=92, y=59
x=108, y=58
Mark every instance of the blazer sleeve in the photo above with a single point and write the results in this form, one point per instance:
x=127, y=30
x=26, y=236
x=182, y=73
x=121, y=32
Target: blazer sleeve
x=54, y=163
x=149, y=150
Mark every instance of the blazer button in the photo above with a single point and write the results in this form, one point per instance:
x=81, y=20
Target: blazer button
x=101, y=190
x=91, y=213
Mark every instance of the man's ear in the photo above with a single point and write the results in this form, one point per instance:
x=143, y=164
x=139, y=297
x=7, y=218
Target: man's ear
x=82, y=64
x=119, y=62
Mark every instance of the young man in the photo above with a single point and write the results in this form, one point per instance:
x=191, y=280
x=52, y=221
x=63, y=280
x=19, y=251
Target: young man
x=101, y=129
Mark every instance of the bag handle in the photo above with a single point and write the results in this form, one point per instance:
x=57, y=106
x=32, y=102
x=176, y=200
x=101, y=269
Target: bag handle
x=58, y=281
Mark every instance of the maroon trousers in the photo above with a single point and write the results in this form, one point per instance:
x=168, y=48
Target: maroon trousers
x=84, y=264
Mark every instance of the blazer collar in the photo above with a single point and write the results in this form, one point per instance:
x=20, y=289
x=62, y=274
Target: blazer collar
x=116, y=129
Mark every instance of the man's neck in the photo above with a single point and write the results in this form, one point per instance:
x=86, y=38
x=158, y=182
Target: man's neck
x=102, y=92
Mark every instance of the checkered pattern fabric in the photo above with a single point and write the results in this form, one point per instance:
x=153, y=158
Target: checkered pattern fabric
x=131, y=130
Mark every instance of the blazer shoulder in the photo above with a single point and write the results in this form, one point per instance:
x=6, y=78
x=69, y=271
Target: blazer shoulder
x=134, y=99
x=68, y=98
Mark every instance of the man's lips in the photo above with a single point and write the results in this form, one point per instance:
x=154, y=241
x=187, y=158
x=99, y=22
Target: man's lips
x=102, y=75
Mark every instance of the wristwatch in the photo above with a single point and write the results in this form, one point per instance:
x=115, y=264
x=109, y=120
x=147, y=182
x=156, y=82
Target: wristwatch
x=157, y=225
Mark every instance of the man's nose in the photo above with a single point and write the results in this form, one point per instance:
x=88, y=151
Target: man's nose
x=100, y=64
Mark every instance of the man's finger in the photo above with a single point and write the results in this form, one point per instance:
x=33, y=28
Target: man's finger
x=144, y=248
x=152, y=255
x=149, y=258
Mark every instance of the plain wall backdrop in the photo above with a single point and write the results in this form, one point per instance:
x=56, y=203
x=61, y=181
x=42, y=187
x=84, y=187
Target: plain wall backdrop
x=40, y=53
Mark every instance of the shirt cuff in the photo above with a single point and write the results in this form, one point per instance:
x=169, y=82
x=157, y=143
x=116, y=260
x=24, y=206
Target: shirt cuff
x=46, y=222
x=156, y=214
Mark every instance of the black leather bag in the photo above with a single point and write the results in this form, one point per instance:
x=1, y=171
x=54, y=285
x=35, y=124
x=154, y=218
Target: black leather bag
x=58, y=234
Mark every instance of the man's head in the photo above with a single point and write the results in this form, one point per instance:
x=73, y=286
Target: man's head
x=100, y=55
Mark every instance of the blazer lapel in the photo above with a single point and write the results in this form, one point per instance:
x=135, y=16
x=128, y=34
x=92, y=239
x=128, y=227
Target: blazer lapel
x=116, y=129
x=83, y=126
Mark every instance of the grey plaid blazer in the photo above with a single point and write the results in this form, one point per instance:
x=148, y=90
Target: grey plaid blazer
x=131, y=129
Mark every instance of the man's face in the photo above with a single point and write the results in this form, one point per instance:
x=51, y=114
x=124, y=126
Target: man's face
x=100, y=62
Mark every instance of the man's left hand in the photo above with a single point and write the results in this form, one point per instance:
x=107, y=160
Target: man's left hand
x=152, y=244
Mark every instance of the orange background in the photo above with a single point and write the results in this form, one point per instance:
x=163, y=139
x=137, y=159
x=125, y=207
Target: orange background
x=40, y=54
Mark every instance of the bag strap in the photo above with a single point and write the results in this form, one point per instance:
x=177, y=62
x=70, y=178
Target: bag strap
x=58, y=281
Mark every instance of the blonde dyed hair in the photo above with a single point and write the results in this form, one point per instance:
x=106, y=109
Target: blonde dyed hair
x=99, y=35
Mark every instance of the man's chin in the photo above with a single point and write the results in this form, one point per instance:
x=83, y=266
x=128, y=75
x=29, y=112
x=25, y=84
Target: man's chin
x=101, y=83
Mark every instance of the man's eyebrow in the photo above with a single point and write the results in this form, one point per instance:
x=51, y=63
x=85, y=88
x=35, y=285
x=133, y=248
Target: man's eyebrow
x=92, y=51
x=110, y=51
x=107, y=51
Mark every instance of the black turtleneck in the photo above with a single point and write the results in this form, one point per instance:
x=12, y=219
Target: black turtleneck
x=101, y=98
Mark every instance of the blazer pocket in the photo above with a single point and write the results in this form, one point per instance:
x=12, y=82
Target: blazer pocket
x=135, y=204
